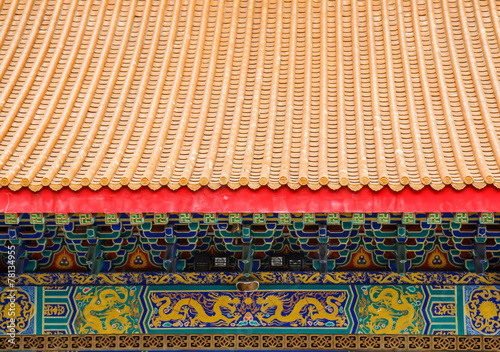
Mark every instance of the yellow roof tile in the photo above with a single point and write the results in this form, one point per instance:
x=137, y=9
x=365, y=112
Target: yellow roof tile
x=249, y=93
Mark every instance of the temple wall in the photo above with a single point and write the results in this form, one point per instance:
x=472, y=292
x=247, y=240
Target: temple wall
x=332, y=309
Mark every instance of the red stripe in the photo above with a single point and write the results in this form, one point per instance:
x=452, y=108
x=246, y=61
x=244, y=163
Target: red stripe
x=245, y=200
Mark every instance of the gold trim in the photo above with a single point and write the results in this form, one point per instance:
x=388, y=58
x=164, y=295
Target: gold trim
x=309, y=342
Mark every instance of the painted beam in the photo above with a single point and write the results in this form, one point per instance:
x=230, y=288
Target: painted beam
x=333, y=309
x=246, y=200
x=300, y=278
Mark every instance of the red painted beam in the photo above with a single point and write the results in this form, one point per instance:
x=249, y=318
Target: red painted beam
x=245, y=200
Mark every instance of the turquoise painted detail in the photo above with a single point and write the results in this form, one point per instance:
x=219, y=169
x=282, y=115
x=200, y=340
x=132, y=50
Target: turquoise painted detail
x=336, y=309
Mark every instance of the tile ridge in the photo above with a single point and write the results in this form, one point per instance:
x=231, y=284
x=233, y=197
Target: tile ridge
x=132, y=120
x=495, y=20
x=18, y=69
x=120, y=105
x=464, y=102
x=383, y=177
x=290, y=84
x=205, y=105
x=28, y=84
x=153, y=109
x=65, y=150
x=56, y=133
x=341, y=118
x=273, y=99
x=206, y=173
x=323, y=109
x=47, y=117
x=179, y=140
x=494, y=79
x=257, y=90
x=306, y=109
x=450, y=126
x=412, y=111
x=7, y=23
x=87, y=144
x=7, y=59
x=167, y=118
x=429, y=110
x=393, y=109
x=358, y=103
x=238, y=109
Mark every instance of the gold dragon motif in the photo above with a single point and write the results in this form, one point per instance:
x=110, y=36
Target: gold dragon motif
x=315, y=310
x=106, y=312
x=182, y=308
x=391, y=311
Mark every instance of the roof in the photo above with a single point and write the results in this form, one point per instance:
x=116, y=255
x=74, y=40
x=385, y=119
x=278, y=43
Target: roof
x=266, y=93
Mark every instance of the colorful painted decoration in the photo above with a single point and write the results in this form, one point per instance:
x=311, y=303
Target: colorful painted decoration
x=62, y=219
x=17, y=303
x=264, y=277
x=11, y=219
x=339, y=309
x=353, y=241
x=86, y=219
x=259, y=218
x=483, y=310
x=391, y=310
x=384, y=218
x=333, y=219
x=37, y=218
x=408, y=218
x=111, y=218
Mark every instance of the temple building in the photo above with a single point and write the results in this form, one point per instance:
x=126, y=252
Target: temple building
x=250, y=175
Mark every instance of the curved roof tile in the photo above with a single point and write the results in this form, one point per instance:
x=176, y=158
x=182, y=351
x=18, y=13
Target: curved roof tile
x=249, y=93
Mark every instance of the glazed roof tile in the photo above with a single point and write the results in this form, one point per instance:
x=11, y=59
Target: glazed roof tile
x=249, y=93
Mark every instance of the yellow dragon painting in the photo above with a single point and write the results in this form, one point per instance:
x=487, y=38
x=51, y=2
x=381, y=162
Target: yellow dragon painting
x=314, y=310
x=183, y=310
x=106, y=311
x=390, y=311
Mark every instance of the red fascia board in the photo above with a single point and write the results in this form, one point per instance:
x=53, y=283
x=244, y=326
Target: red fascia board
x=246, y=200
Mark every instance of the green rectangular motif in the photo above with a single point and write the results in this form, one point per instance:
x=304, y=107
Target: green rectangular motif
x=111, y=218
x=434, y=218
x=36, y=218
x=210, y=218
x=86, y=219
x=284, y=219
x=409, y=218
x=309, y=218
x=136, y=218
x=235, y=218
x=487, y=218
x=358, y=218
x=11, y=219
x=185, y=218
x=333, y=219
x=161, y=218
x=259, y=218
x=461, y=218
x=384, y=218
x=62, y=219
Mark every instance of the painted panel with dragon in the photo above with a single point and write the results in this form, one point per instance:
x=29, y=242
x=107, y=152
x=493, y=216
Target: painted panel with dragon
x=259, y=309
x=335, y=309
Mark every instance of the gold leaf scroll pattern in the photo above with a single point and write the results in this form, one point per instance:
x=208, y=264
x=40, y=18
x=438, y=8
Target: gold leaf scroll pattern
x=107, y=310
x=483, y=309
x=54, y=310
x=22, y=309
x=390, y=310
x=443, y=309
